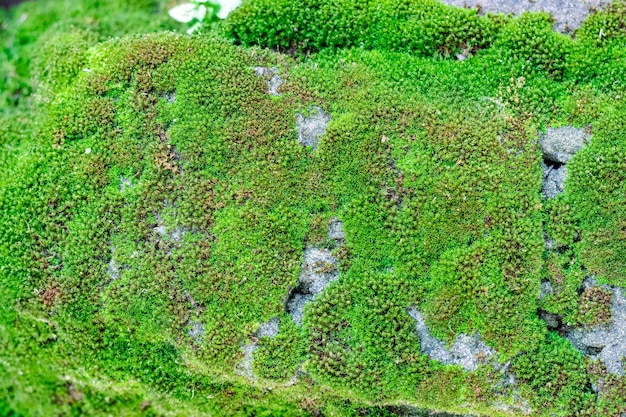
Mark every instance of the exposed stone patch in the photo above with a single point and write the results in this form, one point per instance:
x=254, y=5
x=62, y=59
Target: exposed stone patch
x=558, y=146
x=170, y=97
x=196, y=331
x=467, y=351
x=311, y=128
x=606, y=342
x=113, y=269
x=269, y=328
x=244, y=368
x=274, y=82
x=568, y=14
x=318, y=269
x=545, y=289
x=554, y=176
x=125, y=184
x=335, y=230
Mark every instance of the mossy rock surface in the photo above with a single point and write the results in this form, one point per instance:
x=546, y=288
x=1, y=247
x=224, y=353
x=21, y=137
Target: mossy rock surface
x=168, y=202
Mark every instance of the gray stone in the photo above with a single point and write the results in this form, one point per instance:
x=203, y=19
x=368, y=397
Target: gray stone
x=170, y=97
x=295, y=306
x=196, y=331
x=311, y=128
x=244, y=368
x=553, y=180
x=161, y=230
x=318, y=269
x=605, y=342
x=335, y=230
x=568, y=14
x=467, y=351
x=125, y=183
x=560, y=144
x=274, y=82
x=545, y=289
x=269, y=328
x=113, y=269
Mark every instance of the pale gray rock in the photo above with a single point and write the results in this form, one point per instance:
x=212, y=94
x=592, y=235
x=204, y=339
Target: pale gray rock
x=545, y=289
x=170, y=97
x=125, y=184
x=553, y=180
x=568, y=14
x=318, y=269
x=467, y=351
x=269, y=328
x=196, y=331
x=335, y=230
x=605, y=342
x=113, y=269
x=244, y=368
x=274, y=82
x=560, y=144
x=295, y=306
x=311, y=128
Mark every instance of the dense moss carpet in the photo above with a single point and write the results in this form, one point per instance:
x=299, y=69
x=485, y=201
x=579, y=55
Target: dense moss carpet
x=311, y=208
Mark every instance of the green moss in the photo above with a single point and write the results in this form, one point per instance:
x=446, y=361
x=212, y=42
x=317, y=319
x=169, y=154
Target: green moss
x=278, y=358
x=155, y=205
x=424, y=27
x=556, y=374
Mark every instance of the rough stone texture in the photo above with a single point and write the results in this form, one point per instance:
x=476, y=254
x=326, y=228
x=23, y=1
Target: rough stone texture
x=553, y=180
x=296, y=304
x=311, y=128
x=274, y=82
x=170, y=97
x=113, y=269
x=335, y=230
x=269, y=328
x=244, y=368
x=568, y=14
x=125, y=183
x=196, y=331
x=318, y=270
x=467, y=351
x=560, y=144
x=545, y=289
x=605, y=342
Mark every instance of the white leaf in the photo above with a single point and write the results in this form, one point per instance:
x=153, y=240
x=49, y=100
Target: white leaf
x=191, y=30
x=227, y=6
x=186, y=12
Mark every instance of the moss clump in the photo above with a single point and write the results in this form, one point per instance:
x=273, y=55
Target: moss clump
x=155, y=206
x=424, y=27
x=556, y=372
x=278, y=358
x=594, y=306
